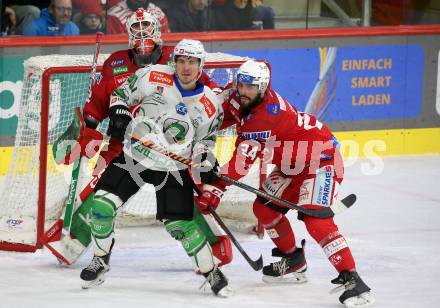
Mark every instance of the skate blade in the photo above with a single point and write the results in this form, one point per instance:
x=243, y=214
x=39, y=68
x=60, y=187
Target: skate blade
x=363, y=300
x=91, y=284
x=295, y=278
x=225, y=292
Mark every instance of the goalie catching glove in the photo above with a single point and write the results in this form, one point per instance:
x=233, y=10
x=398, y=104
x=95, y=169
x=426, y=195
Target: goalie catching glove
x=120, y=117
x=209, y=197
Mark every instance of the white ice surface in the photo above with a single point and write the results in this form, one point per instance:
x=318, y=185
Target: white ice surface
x=393, y=231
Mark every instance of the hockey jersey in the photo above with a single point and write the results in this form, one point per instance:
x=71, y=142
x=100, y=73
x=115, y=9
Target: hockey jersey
x=276, y=132
x=167, y=115
x=115, y=71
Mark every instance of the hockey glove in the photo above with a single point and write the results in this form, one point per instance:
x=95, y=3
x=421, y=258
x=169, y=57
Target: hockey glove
x=88, y=143
x=209, y=168
x=120, y=117
x=210, y=196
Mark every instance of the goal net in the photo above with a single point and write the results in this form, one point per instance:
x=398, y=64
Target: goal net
x=35, y=189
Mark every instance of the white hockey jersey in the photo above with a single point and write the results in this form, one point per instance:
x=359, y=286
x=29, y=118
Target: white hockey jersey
x=167, y=115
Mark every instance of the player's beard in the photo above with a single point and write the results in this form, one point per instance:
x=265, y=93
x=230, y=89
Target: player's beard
x=250, y=104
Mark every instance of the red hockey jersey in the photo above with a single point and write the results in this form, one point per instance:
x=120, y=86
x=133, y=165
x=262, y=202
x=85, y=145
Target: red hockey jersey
x=278, y=133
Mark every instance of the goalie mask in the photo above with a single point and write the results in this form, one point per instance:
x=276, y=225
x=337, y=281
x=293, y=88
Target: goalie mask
x=143, y=32
x=254, y=72
x=191, y=48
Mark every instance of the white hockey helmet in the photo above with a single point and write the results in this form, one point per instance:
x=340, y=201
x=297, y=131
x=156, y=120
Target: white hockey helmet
x=143, y=31
x=190, y=48
x=254, y=72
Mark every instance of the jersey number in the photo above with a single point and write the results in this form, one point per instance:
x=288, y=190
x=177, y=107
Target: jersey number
x=304, y=120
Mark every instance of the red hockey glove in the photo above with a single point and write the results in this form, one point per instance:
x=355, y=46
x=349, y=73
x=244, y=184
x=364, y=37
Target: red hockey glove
x=88, y=143
x=210, y=196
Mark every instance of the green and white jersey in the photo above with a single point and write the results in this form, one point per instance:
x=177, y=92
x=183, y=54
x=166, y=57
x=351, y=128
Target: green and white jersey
x=176, y=119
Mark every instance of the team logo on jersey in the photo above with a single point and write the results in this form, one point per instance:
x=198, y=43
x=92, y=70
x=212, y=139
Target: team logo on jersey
x=117, y=62
x=264, y=135
x=159, y=89
x=120, y=70
x=160, y=77
x=181, y=109
x=209, y=106
x=273, y=109
x=175, y=130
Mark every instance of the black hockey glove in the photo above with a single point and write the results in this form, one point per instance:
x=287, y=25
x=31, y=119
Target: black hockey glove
x=120, y=117
x=209, y=168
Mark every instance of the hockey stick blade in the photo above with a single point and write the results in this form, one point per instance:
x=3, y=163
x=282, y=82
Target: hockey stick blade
x=255, y=264
x=325, y=212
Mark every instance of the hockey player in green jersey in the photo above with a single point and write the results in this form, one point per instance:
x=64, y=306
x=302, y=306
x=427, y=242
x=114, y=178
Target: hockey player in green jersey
x=180, y=114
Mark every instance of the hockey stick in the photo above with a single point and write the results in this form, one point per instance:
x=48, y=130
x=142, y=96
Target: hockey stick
x=325, y=212
x=257, y=264
x=77, y=122
x=76, y=167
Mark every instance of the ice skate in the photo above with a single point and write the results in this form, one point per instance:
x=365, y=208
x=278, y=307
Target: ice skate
x=93, y=275
x=356, y=294
x=291, y=268
x=218, y=283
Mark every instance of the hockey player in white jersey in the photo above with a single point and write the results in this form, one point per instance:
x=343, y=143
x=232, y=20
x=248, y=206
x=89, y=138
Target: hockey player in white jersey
x=178, y=113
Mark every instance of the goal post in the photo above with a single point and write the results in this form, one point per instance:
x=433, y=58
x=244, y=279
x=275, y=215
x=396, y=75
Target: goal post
x=35, y=188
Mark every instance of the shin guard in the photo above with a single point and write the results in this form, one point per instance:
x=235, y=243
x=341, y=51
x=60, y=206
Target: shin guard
x=277, y=227
x=335, y=247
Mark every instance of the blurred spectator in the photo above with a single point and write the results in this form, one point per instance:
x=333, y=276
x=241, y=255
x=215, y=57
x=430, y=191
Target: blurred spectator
x=119, y=14
x=233, y=15
x=393, y=12
x=91, y=19
x=189, y=16
x=8, y=20
x=54, y=20
x=19, y=13
x=264, y=15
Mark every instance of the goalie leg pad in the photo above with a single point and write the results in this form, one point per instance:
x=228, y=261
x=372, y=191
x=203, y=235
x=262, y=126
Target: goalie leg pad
x=219, y=241
x=194, y=242
x=222, y=250
x=80, y=228
x=102, y=221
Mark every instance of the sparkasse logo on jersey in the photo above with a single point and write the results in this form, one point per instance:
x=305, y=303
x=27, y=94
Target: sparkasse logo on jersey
x=162, y=78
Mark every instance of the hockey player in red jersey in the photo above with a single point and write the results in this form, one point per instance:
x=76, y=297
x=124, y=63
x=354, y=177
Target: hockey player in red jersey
x=308, y=171
x=145, y=49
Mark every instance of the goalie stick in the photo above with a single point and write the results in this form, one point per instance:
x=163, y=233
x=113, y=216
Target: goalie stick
x=325, y=212
x=77, y=123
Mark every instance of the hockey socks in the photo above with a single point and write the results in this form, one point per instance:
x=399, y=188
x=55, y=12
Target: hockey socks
x=281, y=233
